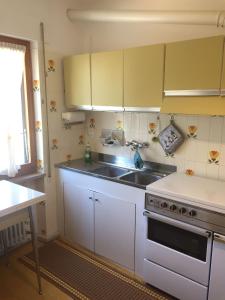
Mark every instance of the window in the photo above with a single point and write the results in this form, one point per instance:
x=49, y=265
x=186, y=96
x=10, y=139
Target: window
x=17, y=130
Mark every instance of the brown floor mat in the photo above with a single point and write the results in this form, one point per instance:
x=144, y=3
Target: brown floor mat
x=83, y=277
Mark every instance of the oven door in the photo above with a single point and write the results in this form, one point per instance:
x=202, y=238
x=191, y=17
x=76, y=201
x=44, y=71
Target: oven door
x=179, y=247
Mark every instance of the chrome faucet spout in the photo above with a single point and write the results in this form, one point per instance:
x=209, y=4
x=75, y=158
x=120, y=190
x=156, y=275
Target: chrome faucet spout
x=137, y=145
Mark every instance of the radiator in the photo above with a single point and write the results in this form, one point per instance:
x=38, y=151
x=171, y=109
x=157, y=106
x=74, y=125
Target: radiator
x=16, y=235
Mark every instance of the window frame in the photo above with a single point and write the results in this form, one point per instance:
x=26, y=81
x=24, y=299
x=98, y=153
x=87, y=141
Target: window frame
x=30, y=167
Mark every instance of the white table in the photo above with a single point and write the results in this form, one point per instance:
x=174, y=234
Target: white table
x=14, y=200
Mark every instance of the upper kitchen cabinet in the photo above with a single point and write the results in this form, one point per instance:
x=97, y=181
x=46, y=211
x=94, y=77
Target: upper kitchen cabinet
x=143, y=77
x=107, y=80
x=193, y=68
x=77, y=77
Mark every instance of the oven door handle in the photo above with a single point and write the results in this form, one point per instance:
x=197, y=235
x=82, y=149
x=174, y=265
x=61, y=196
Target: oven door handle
x=178, y=224
x=219, y=238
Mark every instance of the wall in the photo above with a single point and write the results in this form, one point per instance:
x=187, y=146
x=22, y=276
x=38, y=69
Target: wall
x=22, y=19
x=203, y=135
x=110, y=36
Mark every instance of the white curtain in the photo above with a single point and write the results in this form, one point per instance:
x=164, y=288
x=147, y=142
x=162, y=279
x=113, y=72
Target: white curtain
x=11, y=123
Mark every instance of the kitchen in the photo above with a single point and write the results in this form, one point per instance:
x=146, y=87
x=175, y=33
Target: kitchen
x=201, y=154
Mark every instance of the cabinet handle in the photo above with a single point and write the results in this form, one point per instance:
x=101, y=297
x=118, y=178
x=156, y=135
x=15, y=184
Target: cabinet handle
x=96, y=200
x=90, y=198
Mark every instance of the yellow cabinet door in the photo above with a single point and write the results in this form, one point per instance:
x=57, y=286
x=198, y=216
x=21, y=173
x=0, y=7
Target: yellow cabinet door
x=107, y=79
x=194, y=65
x=143, y=76
x=77, y=80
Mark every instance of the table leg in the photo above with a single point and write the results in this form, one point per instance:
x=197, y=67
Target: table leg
x=4, y=241
x=35, y=248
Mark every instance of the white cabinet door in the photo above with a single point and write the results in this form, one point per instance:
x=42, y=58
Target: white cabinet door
x=217, y=278
x=115, y=229
x=79, y=215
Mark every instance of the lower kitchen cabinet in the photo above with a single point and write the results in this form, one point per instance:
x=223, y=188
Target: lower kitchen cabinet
x=115, y=229
x=217, y=283
x=99, y=222
x=78, y=215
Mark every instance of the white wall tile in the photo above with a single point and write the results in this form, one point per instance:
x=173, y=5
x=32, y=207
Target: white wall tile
x=215, y=132
x=200, y=169
x=190, y=150
x=164, y=121
x=144, y=121
x=129, y=135
x=180, y=164
x=223, y=131
x=127, y=121
x=144, y=136
x=192, y=120
x=201, y=151
x=212, y=171
x=135, y=121
x=222, y=155
x=181, y=122
x=215, y=147
x=189, y=165
x=170, y=160
x=221, y=175
x=203, y=131
x=118, y=120
x=181, y=151
x=124, y=151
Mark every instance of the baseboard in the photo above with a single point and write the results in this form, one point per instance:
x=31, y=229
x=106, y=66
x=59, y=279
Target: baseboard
x=45, y=239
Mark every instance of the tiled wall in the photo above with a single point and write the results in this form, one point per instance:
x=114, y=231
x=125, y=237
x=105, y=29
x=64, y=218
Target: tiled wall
x=202, y=153
x=65, y=143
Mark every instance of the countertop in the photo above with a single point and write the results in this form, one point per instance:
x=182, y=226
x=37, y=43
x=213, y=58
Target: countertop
x=15, y=197
x=203, y=192
x=80, y=166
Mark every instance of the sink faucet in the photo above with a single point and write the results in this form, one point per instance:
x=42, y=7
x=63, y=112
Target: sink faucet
x=135, y=146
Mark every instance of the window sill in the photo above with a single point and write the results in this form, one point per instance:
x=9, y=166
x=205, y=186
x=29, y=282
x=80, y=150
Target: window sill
x=33, y=181
x=21, y=179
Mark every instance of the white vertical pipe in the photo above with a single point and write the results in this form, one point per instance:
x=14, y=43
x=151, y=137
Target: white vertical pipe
x=46, y=100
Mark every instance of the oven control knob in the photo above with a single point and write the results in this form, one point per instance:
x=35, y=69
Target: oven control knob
x=150, y=201
x=173, y=207
x=164, y=205
x=182, y=210
x=192, y=213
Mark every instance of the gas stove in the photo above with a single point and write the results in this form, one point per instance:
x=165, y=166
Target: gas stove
x=183, y=215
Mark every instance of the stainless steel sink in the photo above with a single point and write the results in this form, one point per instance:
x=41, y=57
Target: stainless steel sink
x=109, y=171
x=142, y=178
x=137, y=178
